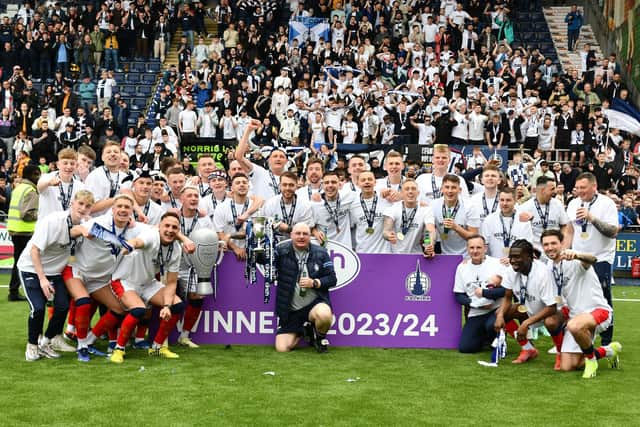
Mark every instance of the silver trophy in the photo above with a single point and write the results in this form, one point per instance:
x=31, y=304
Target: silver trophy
x=207, y=256
x=259, y=230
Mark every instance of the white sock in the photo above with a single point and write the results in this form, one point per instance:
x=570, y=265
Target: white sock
x=528, y=346
x=608, y=350
x=184, y=334
x=44, y=341
x=137, y=340
x=90, y=339
x=82, y=343
x=71, y=329
x=156, y=346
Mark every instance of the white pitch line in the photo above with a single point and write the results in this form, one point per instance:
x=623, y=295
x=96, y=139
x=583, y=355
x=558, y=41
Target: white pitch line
x=627, y=299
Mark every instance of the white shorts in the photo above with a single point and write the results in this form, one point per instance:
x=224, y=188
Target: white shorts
x=91, y=284
x=569, y=344
x=145, y=292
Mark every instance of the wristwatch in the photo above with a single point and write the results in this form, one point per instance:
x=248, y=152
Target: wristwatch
x=316, y=283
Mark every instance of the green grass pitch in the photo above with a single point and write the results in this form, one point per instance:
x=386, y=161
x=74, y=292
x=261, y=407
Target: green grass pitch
x=218, y=386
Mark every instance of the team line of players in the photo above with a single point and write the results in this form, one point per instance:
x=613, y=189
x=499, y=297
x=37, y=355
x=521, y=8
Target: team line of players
x=388, y=215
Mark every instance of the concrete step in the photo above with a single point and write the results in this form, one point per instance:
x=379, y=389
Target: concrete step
x=558, y=28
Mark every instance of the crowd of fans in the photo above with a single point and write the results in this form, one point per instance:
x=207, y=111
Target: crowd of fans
x=401, y=72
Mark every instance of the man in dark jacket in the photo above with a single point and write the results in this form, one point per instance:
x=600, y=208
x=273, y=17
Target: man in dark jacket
x=305, y=275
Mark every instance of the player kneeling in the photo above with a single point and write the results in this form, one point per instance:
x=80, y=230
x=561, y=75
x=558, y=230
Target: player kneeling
x=529, y=280
x=586, y=312
x=155, y=251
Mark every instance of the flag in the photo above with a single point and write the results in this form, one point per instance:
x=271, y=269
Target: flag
x=499, y=350
x=305, y=28
x=623, y=116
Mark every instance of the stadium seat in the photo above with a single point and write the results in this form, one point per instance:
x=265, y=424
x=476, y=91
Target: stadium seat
x=153, y=67
x=522, y=16
x=133, y=77
x=127, y=89
x=537, y=17
x=137, y=67
x=119, y=77
x=140, y=103
x=143, y=90
x=149, y=78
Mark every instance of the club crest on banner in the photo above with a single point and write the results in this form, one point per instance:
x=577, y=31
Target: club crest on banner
x=418, y=285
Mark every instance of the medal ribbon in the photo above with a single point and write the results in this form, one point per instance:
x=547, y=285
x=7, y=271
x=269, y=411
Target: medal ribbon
x=113, y=186
x=493, y=208
x=162, y=260
x=544, y=217
x=434, y=187
x=72, y=242
x=506, y=236
x=369, y=215
x=333, y=213
x=558, y=276
x=585, y=222
x=183, y=224
x=407, y=221
x=274, y=183
x=65, y=199
x=288, y=217
x=234, y=213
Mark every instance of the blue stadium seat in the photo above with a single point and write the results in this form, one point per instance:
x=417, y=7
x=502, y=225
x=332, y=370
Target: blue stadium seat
x=140, y=103
x=144, y=90
x=133, y=77
x=119, y=77
x=127, y=89
x=537, y=17
x=149, y=78
x=153, y=67
x=137, y=67
x=522, y=16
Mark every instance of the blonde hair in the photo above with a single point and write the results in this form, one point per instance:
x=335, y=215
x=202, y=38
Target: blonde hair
x=84, y=196
x=67, y=153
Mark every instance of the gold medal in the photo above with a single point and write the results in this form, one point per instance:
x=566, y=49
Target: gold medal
x=369, y=230
x=400, y=236
x=505, y=251
x=584, y=235
x=558, y=299
x=522, y=308
x=72, y=259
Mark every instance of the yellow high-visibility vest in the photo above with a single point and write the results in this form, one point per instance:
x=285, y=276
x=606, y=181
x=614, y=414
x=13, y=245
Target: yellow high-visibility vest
x=15, y=224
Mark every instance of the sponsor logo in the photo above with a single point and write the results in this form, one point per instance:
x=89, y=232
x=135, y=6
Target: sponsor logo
x=346, y=263
x=418, y=285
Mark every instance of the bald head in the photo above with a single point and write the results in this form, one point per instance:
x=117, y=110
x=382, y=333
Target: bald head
x=301, y=236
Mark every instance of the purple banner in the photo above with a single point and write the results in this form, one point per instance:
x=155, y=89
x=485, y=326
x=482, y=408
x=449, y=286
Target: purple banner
x=380, y=301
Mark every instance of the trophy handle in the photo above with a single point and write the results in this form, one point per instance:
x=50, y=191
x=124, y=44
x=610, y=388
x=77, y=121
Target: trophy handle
x=221, y=245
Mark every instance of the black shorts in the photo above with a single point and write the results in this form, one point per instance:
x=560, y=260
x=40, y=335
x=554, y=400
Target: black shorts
x=577, y=148
x=297, y=319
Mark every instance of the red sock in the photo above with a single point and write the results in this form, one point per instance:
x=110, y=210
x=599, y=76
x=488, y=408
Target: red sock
x=94, y=308
x=82, y=312
x=557, y=340
x=49, y=312
x=511, y=327
x=601, y=353
x=141, y=331
x=106, y=323
x=166, y=326
x=128, y=325
x=191, y=317
x=113, y=334
x=71, y=318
